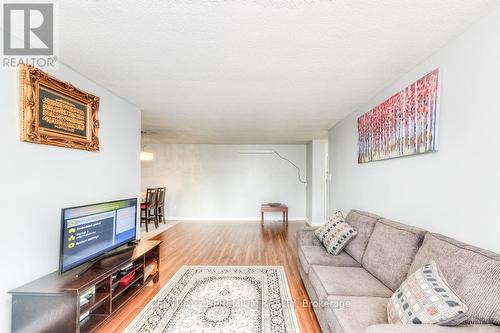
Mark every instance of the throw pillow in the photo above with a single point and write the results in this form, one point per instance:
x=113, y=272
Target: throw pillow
x=323, y=231
x=335, y=234
x=426, y=298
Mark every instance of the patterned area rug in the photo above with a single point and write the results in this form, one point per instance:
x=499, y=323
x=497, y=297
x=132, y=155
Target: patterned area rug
x=221, y=299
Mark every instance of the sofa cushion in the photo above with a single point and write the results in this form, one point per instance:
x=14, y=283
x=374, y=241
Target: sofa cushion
x=391, y=250
x=345, y=281
x=306, y=236
x=363, y=223
x=426, y=298
x=473, y=273
x=392, y=328
x=316, y=255
x=347, y=314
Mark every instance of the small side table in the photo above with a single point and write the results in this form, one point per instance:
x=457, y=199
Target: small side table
x=281, y=208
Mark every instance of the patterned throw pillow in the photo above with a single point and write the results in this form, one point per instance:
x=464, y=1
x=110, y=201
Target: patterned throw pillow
x=335, y=234
x=426, y=298
x=323, y=231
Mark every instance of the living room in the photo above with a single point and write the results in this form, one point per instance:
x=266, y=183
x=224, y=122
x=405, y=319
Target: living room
x=264, y=166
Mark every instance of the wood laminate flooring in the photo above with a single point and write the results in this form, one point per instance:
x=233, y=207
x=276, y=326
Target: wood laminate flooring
x=225, y=243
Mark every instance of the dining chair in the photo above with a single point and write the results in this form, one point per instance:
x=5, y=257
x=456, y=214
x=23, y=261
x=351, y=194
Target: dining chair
x=148, y=208
x=160, y=204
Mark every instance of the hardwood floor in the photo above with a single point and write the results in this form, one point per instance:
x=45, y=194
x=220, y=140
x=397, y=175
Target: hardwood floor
x=225, y=243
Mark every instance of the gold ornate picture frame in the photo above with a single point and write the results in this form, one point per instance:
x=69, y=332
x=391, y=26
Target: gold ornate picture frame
x=54, y=112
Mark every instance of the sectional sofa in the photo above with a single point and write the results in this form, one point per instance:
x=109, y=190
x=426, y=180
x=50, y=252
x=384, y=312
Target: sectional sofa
x=350, y=291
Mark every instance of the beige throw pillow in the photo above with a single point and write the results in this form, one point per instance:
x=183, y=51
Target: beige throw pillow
x=335, y=234
x=425, y=298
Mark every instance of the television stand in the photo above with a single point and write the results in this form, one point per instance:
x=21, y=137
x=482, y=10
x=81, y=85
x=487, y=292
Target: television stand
x=92, y=262
x=52, y=302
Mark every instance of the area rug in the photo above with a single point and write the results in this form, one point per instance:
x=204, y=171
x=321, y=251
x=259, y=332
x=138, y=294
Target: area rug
x=221, y=299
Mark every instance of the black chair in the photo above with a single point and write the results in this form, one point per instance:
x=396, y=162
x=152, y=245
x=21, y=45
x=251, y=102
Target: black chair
x=160, y=204
x=148, y=208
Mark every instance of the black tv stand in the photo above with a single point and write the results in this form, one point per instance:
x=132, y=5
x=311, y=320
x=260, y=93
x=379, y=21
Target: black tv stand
x=104, y=256
x=53, y=301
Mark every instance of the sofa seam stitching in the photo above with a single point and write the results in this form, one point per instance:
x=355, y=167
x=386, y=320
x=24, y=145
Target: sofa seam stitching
x=401, y=229
x=463, y=248
x=369, y=238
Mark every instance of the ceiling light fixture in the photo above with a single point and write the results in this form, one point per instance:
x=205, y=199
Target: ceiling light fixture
x=146, y=156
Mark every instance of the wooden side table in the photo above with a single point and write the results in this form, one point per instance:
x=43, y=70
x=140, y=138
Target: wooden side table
x=281, y=208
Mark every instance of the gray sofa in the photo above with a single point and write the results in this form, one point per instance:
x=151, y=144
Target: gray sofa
x=350, y=292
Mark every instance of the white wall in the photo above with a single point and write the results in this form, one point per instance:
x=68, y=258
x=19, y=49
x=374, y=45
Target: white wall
x=455, y=191
x=316, y=173
x=38, y=180
x=214, y=182
x=320, y=147
x=309, y=178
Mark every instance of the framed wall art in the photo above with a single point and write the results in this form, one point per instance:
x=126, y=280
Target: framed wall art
x=405, y=124
x=54, y=112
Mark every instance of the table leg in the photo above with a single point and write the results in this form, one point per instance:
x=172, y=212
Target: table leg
x=262, y=218
x=284, y=216
x=287, y=217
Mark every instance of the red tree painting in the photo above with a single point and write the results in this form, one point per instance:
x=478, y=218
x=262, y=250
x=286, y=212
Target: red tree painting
x=405, y=124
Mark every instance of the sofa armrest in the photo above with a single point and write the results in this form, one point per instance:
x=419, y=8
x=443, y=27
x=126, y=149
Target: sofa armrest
x=390, y=328
x=306, y=236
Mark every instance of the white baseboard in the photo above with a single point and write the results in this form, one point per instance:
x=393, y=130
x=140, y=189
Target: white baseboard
x=228, y=219
x=313, y=224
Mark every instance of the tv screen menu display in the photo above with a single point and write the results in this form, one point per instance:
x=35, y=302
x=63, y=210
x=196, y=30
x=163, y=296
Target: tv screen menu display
x=92, y=230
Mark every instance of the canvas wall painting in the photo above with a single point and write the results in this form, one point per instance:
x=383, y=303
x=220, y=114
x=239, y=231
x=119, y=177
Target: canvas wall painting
x=405, y=124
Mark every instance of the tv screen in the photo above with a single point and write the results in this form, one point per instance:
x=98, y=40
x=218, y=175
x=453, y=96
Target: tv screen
x=90, y=231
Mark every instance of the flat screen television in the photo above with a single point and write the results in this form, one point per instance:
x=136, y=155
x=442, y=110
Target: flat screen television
x=90, y=231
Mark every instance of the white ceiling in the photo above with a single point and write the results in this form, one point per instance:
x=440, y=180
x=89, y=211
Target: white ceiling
x=261, y=71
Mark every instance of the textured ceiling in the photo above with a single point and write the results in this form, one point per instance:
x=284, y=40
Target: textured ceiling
x=262, y=71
